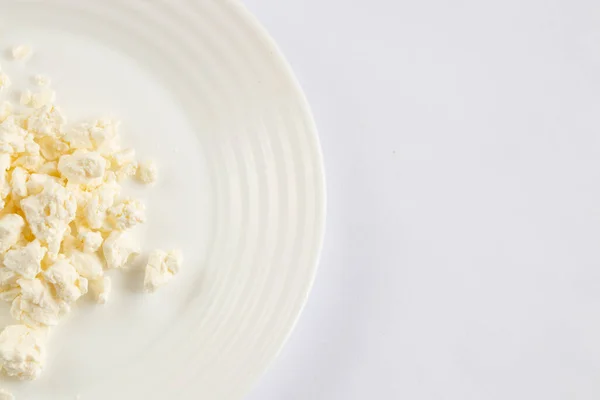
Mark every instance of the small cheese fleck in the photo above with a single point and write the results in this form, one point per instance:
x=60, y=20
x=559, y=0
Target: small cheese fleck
x=101, y=200
x=22, y=352
x=124, y=157
x=19, y=179
x=101, y=288
x=52, y=148
x=69, y=244
x=26, y=261
x=14, y=139
x=46, y=121
x=87, y=265
x=9, y=289
x=21, y=52
x=4, y=184
x=36, y=306
x=41, y=80
x=49, y=168
x=147, y=172
x=68, y=284
x=5, y=81
x=119, y=248
x=25, y=99
x=91, y=241
x=49, y=214
x=161, y=268
x=126, y=214
x=124, y=164
x=30, y=163
x=38, y=182
x=11, y=226
x=9, y=295
x=104, y=135
x=8, y=278
x=6, y=109
x=82, y=167
x=43, y=98
x=79, y=136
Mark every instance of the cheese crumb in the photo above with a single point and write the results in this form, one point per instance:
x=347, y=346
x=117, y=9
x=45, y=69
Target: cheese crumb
x=82, y=167
x=87, y=265
x=5, y=81
x=26, y=261
x=22, y=352
x=11, y=226
x=101, y=288
x=6, y=108
x=161, y=268
x=46, y=121
x=67, y=283
x=19, y=179
x=101, y=200
x=41, y=80
x=91, y=241
x=21, y=52
x=49, y=214
x=43, y=98
x=127, y=213
x=119, y=248
x=147, y=172
x=25, y=99
x=35, y=306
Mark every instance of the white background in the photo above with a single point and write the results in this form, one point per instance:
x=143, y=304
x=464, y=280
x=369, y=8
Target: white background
x=462, y=150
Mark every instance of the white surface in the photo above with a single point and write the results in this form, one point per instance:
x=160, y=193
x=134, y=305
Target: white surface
x=200, y=89
x=462, y=149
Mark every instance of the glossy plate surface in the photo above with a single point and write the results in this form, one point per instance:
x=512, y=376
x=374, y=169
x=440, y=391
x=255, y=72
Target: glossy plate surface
x=199, y=87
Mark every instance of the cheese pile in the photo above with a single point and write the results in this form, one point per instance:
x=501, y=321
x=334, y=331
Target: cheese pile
x=63, y=221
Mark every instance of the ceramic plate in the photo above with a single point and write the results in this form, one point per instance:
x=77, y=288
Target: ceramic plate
x=202, y=89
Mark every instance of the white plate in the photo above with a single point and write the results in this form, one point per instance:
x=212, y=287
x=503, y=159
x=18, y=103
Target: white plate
x=200, y=87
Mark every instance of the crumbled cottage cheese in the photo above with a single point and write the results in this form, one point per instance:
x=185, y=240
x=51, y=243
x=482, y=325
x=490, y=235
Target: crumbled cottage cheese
x=21, y=351
x=25, y=98
x=63, y=220
x=101, y=288
x=4, y=81
x=21, y=52
x=11, y=226
x=119, y=247
x=26, y=261
x=6, y=108
x=148, y=172
x=41, y=80
x=162, y=266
